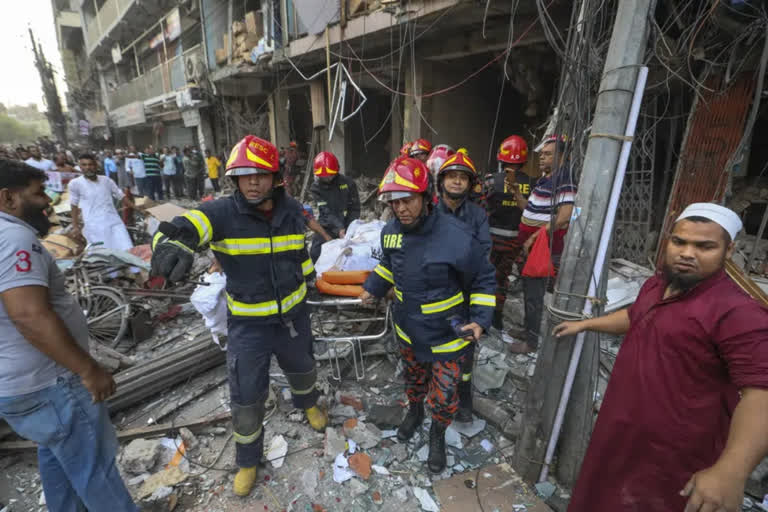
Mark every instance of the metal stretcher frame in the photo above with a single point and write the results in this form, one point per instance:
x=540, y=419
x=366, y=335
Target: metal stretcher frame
x=336, y=343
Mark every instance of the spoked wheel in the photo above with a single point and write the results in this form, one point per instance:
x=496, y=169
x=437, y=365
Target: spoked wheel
x=107, y=312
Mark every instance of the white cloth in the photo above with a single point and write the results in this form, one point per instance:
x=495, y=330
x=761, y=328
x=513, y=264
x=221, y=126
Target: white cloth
x=54, y=176
x=101, y=223
x=136, y=167
x=726, y=217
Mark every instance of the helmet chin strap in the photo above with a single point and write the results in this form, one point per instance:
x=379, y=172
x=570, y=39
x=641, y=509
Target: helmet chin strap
x=413, y=226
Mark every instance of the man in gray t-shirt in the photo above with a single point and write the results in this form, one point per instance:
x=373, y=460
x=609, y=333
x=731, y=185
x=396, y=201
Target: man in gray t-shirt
x=51, y=390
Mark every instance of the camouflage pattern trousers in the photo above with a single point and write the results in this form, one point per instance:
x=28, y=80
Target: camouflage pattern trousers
x=436, y=381
x=504, y=254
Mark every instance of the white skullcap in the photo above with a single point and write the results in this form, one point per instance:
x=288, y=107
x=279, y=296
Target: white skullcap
x=726, y=217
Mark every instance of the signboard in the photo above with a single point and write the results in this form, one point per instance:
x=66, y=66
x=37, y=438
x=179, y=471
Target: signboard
x=172, y=25
x=191, y=118
x=84, y=127
x=128, y=115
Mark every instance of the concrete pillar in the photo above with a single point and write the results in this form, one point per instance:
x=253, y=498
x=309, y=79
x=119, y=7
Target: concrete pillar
x=205, y=134
x=129, y=138
x=278, y=119
x=414, y=83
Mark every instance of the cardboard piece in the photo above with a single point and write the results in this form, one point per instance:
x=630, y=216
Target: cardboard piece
x=498, y=488
x=254, y=23
x=166, y=212
x=142, y=203
x=61, y=247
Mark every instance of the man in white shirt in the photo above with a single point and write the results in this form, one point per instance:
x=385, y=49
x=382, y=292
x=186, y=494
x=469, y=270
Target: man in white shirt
x=36, y=160
x=135, y=166
x=92, y=197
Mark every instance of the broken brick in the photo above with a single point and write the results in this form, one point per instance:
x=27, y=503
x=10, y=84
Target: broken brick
x=377, y=499
x=349, y=426
x=352, y=401
x=361, y=464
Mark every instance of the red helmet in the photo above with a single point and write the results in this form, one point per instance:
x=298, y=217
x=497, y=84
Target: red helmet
x=326, y=164
x=253, y=155
x=513, y=150
x=420, y=146
x=404, y=177
x=459, y=162
x=437, y=156
x=406, y=149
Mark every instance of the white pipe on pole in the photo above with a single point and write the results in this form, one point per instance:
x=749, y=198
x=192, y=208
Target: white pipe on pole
x=597, y=269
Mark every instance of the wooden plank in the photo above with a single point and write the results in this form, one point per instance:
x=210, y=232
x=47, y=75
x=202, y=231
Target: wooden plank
x=136, y=433
x=745, y=283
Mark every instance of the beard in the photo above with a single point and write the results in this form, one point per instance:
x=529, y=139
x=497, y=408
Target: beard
x=37, y=219
x=684, y=281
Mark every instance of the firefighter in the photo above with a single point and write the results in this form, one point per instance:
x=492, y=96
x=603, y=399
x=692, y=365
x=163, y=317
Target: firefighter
x=456, y=180
x=405, y=148
x=420, y=149
x=503, y=189
x=257, y=235
x=443, y=286
x=338, y=201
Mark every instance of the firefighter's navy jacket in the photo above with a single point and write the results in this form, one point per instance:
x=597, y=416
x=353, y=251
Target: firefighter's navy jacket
x=473, y=216
x=265, y=261
x=439, y=271
x=338, y=203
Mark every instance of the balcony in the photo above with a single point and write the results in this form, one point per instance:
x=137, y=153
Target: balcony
x=166, y=78
x=69, y=19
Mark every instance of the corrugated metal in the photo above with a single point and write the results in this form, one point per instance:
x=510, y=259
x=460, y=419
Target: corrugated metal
x=714, y=129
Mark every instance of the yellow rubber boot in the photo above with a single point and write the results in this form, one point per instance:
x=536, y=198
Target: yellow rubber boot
x=318, y=418
x=244, y=480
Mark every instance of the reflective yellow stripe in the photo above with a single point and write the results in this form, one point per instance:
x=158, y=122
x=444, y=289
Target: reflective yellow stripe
x=243, y=439
x=242, y=246
x=246, y=246
x=402, y=334
x=466, y=377
x=287, y=243
x=482, y=299
x=202, y=224
x=307, y=267
x=179, y=244
x=156, y=239
x=437, y=307
x=451, y=346
x=385, y=273
x=302, y=392
x=398, y=294
x=269, y=307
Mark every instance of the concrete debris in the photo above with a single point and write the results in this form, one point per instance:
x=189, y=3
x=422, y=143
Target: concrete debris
x=166, y=478
x=380, y=470
x=365, y=435
x=385, y=416
x=190, y=441
x=334, y=444
x=309, y=482
x=545, y=489
x=401, y=494
x=41, y=501
x=360, y=463
x=423, y=453
x=487, y=445
x=352, y=401
x=425, y=500
x=386, y=434
x=140, y=456
x=453, y=438
x=160, y=493
x=278, y=448
x=469, y=430
x=356, y=487
x=352, y=446
x=399, y=452
x=493, y=371
x=137, y=479
x=343, y=411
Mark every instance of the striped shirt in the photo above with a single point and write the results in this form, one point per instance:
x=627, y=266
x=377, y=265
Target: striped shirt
x=151, y=164
x=550, y=192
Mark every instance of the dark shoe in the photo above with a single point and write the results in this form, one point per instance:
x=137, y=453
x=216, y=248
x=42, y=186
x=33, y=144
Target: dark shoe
x=498, y=319
x=411, y=422
x=464, y=414
x=436, y=459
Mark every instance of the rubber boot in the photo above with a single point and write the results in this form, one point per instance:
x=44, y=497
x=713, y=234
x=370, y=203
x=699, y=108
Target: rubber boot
x=244, y=480
x=436, y=459
x=318, y=418
x=498, y=319
x=411, y=422
x=464, y=414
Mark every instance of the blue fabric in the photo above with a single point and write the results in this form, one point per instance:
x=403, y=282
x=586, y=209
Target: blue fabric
x=169, y=165
x=249, y=353
x=77, y=446
x=430, y=264
x=475, y=218
x=110, y=167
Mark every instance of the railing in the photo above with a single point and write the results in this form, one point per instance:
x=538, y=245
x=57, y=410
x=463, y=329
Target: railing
x=98, y=26
x=165, y=78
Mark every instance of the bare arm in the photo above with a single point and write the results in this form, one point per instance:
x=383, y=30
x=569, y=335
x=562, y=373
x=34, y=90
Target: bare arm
x=614, y=323
x=76, y=223
x=127, y=203
x=721, y=486
x=320, y=230
x=520, y=199
x=30, y=311
x=563, y=217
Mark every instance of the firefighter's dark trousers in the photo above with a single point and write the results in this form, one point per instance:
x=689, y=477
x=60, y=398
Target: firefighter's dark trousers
x=249, y=352
x=437, y=381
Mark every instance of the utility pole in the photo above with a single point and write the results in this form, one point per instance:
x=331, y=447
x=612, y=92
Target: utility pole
x=54, y=111
x=624, y=57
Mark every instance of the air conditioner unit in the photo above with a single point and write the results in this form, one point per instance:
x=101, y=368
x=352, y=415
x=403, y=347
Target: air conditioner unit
x=193, y=69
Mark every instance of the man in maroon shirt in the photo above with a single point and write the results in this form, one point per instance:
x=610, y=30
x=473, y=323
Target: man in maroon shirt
x=685, y=415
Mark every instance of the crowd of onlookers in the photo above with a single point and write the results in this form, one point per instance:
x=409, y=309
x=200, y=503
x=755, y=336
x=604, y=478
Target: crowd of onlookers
x=168, y=173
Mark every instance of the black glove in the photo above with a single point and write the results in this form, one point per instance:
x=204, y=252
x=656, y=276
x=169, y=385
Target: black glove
x=172, y=261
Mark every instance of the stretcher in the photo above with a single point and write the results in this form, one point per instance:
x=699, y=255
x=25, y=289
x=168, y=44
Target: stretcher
x=327, y=310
